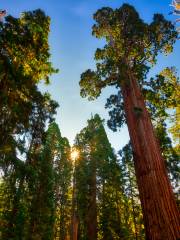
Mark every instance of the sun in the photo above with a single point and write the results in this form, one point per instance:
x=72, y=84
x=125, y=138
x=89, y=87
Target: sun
x=74, y=154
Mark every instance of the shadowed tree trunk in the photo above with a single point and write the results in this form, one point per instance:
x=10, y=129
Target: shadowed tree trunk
x=161, y=215
x=92, y=209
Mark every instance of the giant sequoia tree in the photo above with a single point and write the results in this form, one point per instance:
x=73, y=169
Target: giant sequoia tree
x=161, y=97
x=131, y=48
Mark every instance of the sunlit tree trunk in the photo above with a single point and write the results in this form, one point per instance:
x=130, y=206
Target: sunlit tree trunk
x=160, y=212
x=74, y=218
x=133, y=206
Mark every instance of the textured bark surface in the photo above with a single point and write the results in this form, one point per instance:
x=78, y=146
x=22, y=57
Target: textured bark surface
x=161, y=215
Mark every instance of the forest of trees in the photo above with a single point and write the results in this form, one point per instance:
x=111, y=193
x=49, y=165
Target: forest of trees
x=50, y=190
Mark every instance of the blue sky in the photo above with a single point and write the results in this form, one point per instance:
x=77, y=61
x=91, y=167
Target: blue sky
x=72, y=51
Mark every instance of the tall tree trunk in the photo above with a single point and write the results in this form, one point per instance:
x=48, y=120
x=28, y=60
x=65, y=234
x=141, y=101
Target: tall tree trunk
x=160, y=212
x=133, y=205
x=92, y=208
x=75, y=223
x=74, y=218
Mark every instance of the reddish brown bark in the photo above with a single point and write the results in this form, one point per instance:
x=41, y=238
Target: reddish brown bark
x=75, y=224
x=160, y=212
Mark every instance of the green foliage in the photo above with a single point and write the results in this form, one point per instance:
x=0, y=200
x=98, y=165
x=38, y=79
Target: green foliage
x=59, y=149
x=116, y=113
x=98, y=160
x=25, y=111
x=133, y=216
x=170, y=154
x=24, y=61
x=130, y=44
x=25, y=49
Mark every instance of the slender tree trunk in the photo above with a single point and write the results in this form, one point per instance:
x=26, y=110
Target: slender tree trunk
x=74, y=219
x=160, y=212
x=103, y=206
x=75, y=223
x=133, y=204
x=92, y=208
x=118, y=210
x=14, y=228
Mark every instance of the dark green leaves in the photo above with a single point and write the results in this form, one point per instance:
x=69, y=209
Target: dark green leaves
x=162, y=34
x=131, y=45
x=91, y=85
x=117, y=115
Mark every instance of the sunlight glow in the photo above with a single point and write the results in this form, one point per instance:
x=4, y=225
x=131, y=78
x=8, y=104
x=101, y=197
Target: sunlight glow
x=74, y=154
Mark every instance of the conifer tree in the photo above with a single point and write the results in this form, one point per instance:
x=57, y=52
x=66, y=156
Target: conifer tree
x=24, y=61
x=98, y=185
x=62, y=166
